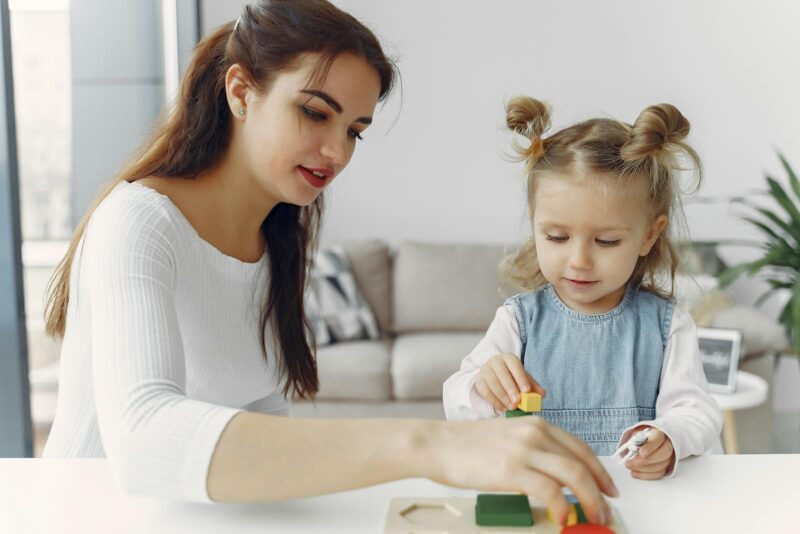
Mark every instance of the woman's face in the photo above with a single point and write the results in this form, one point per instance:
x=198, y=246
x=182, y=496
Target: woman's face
x=296, y=137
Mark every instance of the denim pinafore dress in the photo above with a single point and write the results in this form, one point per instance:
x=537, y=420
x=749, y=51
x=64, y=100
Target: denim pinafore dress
x=601, y=372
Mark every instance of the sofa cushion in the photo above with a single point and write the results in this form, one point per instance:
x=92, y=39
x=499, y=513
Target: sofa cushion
x=422, y=362
x=336, y=310
x=354, y=370
x=371, y=264
x=446, y=287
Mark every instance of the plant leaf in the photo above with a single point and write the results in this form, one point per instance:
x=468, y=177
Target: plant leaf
x=792, y=176
x=779, y=194
x=780, y=223
x=793, y=328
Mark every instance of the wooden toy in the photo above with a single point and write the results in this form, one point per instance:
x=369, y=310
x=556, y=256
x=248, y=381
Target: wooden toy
x=457, y=515
x=503, y=510
x=530, y=402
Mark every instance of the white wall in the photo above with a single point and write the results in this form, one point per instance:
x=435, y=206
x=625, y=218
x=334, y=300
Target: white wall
x=439, y=173
x=436, y=170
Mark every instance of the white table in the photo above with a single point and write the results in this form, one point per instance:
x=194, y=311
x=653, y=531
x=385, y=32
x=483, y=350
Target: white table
x=751, y=390
x=720, y=493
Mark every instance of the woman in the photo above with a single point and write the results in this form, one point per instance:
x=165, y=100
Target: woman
x=181, y=297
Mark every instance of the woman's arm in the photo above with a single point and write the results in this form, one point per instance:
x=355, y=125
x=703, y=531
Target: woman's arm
x=261, y=457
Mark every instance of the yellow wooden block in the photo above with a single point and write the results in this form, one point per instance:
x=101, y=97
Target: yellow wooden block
x=572, y=517
x=530, y=402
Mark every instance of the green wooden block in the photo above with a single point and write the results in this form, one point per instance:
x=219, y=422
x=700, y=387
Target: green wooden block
x=517, y=413
x=578, y=508
x=492, y=510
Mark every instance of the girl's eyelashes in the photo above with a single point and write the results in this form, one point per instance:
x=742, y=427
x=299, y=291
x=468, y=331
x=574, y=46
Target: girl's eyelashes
x=556, y=238
x=318, y=116
x=601, y=242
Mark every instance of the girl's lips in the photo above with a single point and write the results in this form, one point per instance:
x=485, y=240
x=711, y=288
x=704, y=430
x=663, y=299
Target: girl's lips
x=312, y=178
x=581, y=283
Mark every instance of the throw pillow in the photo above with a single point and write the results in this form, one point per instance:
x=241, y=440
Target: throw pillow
x=334, y=305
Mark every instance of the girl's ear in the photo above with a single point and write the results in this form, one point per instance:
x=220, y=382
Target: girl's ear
x=656, y=227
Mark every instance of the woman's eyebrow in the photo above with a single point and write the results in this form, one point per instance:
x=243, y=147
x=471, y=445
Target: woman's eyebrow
x=333, y=103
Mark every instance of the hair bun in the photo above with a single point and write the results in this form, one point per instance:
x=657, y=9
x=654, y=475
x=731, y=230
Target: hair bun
x=531, y=118
x=655, y=128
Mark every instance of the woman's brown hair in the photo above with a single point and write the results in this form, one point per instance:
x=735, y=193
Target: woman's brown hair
x=189, y=138
x=652, y=150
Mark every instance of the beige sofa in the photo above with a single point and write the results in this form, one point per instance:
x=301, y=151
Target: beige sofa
x=433, y=303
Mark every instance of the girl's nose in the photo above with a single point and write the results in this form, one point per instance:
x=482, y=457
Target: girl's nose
x=580, y=258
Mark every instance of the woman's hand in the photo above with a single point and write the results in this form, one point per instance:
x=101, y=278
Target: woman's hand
x=655, y=457
x=525, y=455
x=502, y=379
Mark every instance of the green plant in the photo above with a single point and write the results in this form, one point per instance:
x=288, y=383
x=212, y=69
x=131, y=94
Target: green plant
x=780, y=265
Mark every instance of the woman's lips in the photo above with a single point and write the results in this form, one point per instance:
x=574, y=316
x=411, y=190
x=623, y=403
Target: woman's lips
x=312, y=178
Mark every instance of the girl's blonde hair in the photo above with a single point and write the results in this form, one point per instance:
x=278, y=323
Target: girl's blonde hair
x=651, y=149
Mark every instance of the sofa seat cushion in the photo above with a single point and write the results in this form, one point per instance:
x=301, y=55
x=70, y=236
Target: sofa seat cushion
x=354, y=370
x=422, y=362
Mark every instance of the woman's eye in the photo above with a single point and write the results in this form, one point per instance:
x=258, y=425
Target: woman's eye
x=608, y=243
x=557, y=238
x=313, y=114
x=355, y=134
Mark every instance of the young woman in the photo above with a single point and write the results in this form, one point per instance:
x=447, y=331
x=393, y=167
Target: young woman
x=181, y=297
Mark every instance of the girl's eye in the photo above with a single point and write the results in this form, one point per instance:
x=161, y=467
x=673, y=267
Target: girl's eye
x=608, y=243
x=557, y=238
x=355, y=135
x=313, y=114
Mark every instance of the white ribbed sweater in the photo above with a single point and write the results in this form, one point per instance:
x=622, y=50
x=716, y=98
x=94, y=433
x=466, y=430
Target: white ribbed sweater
x=161, y=347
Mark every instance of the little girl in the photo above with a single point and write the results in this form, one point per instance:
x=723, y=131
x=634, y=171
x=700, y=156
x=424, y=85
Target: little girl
x=595, y=333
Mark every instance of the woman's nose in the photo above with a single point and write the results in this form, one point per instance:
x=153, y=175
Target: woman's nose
x=336, y=150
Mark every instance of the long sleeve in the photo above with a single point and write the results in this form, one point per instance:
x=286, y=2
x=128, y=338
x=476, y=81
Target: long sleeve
x=685, y=411
x=461, y=401
x=158, y=440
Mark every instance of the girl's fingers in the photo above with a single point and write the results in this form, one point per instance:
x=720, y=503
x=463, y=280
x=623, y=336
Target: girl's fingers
x=517, y=370
x=486, y=393
x=655, y=467
x=508, y=383
x=499, y=392
x=648, y=476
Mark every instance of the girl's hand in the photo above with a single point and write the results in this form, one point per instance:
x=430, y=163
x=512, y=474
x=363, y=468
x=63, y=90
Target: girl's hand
x=525, y=455
x=654, y=458
x=501, y=380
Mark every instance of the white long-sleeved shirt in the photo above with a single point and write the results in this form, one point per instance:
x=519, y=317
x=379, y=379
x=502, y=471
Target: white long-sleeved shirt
x=685, y=412
x=161, y=347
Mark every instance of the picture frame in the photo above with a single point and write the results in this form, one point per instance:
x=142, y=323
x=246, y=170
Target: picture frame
x=720, y=350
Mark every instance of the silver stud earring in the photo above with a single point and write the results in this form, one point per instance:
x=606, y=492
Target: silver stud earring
x=241, y=112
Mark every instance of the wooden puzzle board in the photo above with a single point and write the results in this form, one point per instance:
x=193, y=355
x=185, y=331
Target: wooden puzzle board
x=456, y=515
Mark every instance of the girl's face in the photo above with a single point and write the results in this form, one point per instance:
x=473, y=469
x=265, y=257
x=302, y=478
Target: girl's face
x=589, y=233
x=296, y=137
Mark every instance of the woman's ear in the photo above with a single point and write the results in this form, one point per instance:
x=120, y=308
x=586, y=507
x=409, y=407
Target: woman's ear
x=655, y=229
x=238, y=87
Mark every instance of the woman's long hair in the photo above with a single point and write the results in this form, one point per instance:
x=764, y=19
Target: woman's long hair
x=193, y=135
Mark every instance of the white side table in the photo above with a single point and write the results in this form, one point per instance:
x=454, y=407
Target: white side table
x=751, y=390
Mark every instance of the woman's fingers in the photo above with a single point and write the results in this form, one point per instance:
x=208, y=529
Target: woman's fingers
x=585, y=454
x=547, y=490
x=569, y=471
